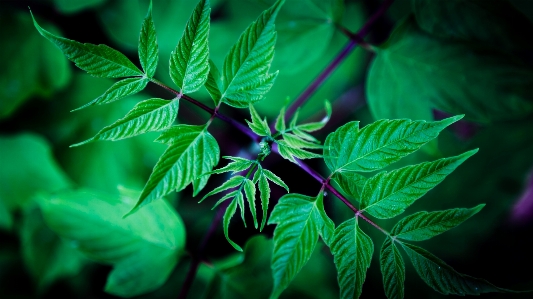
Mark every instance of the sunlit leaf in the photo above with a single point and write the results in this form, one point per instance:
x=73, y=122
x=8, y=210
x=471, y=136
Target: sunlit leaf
x=258, y=125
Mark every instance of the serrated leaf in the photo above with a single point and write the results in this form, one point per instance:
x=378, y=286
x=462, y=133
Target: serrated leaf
x=443, y=278
x=392, y=269
x=249, y=190
x=259, y=126
x=415, y=72
x=233, y=182
x=290, y=153
x=378, y=144
x=214, y=83
x=97, y=60
x=189, y=62
x=146, y=116
x=247, y=64
x=280, y=121
x=311, y=127
x=300, y=219
x=226, y=197
x=117, y=91
x=388, y=194
x=230, y=211
x=350, y=183
x=238, y=165
x=304, y=135
x=426, y=225
x=143, y=248
x=297, y=142
x=275, y=179
x=192, y=152
x=352, y=252
x=240, y=202
x=265, y=197
x=148, y=49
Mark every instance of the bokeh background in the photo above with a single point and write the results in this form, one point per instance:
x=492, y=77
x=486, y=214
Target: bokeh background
x=38, y=88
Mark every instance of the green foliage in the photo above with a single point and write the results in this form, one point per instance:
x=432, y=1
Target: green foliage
x=393, y=269
x=117, y=91
x=148, y=50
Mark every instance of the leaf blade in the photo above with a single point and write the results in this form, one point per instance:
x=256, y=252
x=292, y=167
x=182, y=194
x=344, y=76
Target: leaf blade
x=148, y=49
x=392, y=269
x=117, y=91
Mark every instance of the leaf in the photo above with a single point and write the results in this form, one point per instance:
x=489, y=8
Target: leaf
x=274, y=178
x=311, y=127
x=350, y=183
x=290, y=153
x=388, y=194
x=230, y=211
x=143, y=248
x=443, y=278
x=300, y=219
x=233, y=182
x=414, y=72
x=97, y=60
x=117, y=91
x=146, y=116
x=393, y=270
x=280, y=121
x=192, y=152
x=265, y=196
x=148, y=49
x=238, y=165
x=246, y=66
x=214, y=83
x=378, y=144
x=426, y=225
x=352, y=252
x=259, y=126
x=249, y=190
x=189, y=62
x=489, y=22
x=297, y=142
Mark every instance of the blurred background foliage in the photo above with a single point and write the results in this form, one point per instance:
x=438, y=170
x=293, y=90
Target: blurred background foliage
x=38, y=88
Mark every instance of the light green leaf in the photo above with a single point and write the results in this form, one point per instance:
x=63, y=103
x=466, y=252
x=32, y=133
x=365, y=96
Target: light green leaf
x=192, y=152
x=230, y=211
x=426, y=225
x=275, y=179
x=148, y=49
x=231, y=183
x=146, y=116
x=443, y=278
x=214, y=83
x=350, y=183
x=189, y=62
x=297, y=142
x=117, y=91
x=259, y=126
x=265, y=197
x=415, y=72
x=99, y=61
x=304, y=135
x=225, y=197
x=246, y=66
x=143, y=248
x=388, y=194
x=378, y=144
x=352, y=252
x=249, y=190
x=280, y=121
x=290, y=153
x=300, y=219
x=311, y=127
x=238, y=165
x=393, y=270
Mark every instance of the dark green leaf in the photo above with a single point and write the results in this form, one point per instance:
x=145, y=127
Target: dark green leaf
x=214, y=83
x=350, y=183
x=148, y=49
x=119, y=90
x=393, y=269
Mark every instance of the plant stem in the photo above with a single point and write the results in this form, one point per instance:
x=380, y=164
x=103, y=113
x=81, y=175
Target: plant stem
x=355, y=39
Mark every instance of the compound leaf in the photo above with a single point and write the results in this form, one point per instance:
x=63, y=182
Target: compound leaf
x=426, y=225
x=378, y=144
x=248, y=61
x=192, y=152
x=97, y=60
x=148, y=49
x=443, y=278
x=388, y=194
x=119, y=90
x=392, y=269
x=352, y=252
x=189, y=62
x=146, y=116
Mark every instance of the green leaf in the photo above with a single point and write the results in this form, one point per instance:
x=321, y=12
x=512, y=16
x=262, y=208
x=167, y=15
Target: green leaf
x=290, y=153
x=297, y=142
x=238, y=165
x=214, y=83
x=249, y=190
x=489, y=22
x=230, y=211
x=146, y=116
x=246, y=66
x=378, y=144
x=97, y=60
x=393, y=269
x=350, y=183
x=280, y=121
x=226, y=197
x=426, y=225
x=300, y=219
x=274, y=179
x=143, y=248
x=233, y=182
x=443, y=278
x=192, y=152
x=414, y=72
x=119, y=90
x=265, y=197
x=148, y=49
x=311, y=127
x=388, y=194
x=189, y=62
x=352, y=252
x=259, y=126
